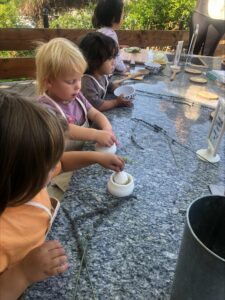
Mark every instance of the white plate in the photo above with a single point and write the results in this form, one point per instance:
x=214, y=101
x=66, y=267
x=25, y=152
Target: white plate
x=192, y=71
x=198, y=79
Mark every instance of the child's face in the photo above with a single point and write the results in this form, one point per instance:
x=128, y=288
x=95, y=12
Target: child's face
x=107, y=67
x=64, y=88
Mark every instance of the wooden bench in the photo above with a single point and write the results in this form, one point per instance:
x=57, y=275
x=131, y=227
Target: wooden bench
x=15, y=39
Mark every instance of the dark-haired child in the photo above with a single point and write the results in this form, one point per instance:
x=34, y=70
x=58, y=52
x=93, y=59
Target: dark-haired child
x=32, y=152
x=100, y=52
x=108, y=17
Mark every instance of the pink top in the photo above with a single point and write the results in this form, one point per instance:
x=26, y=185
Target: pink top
x=72, y=110
x=119, y=64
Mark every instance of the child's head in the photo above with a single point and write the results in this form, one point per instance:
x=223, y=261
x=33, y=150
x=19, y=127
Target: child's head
x=107, y=13
x=58, y=58
x=100, y=51
x=31, y=144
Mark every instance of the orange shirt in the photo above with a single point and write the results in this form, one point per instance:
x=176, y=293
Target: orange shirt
x=23, y=228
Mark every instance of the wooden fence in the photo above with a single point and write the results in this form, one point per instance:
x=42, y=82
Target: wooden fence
x=15, y=39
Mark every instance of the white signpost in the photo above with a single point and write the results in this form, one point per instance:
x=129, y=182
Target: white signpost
x=178, y=53
x=192, y=45
x=216, y=132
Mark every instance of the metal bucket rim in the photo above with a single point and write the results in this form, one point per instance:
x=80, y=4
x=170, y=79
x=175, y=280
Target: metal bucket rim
x=193, y=233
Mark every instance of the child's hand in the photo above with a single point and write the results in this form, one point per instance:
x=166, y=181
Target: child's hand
x=115, y=85
x=111, y=161
x=105, y=138
x=47, y=260
x=127, y=68
x=121, y=101
x=110, y=130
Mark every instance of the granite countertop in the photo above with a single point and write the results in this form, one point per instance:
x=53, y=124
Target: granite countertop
x=129, y=246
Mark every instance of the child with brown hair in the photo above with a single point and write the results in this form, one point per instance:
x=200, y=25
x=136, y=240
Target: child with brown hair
x=60, y=66
x=100, y=51
x=107, y=18
x=31, y=151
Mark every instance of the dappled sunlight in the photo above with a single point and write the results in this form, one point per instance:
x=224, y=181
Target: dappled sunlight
x=192, y=93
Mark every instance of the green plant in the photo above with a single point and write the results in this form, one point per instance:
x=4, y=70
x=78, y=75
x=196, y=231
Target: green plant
x=9, y=16
x=144, y=14
x=12, y=16
x=158, y=14
x=74, y=19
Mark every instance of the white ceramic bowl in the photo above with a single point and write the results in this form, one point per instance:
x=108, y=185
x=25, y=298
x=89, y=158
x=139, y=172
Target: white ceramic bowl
x=127, y=90
x=111, y=149
x=120, y=190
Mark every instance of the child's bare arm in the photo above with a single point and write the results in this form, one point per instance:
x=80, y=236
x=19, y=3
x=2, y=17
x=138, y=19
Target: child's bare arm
x=81, y=133
x=75, y=160
x=103, y=137
x=47, y=260
x=118, y=102
x=99, y=118
x=107, y=105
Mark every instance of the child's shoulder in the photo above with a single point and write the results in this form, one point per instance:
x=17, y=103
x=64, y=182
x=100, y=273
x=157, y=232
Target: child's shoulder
x=91, y=83
x=91, y=78
x=109, y=32
x=106, y=29
x=87, y=77
x=45, y=99
x=42, y=98
x=83, y=99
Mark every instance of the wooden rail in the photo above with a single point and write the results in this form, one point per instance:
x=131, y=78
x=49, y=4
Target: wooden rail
x=15, y=39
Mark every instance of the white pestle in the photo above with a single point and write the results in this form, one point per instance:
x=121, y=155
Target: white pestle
x=121, y=178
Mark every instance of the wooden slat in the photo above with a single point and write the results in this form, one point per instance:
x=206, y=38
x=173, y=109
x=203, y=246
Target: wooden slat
x=17, y=68
x=25, y=38
x=149, y=38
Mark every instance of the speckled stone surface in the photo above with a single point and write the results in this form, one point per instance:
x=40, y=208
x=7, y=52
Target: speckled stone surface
x=131, y=244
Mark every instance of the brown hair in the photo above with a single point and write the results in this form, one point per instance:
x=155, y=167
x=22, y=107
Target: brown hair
x=31, y=144
x=97, y=48
x=107, y=12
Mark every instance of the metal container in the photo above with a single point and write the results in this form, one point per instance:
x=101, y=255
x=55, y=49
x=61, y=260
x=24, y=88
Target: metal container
x=200, y=270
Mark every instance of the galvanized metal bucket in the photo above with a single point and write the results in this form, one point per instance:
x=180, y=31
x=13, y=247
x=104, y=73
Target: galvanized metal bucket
x=200, y=270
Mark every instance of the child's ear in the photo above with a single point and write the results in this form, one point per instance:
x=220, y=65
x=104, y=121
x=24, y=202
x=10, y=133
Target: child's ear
x=48, y=83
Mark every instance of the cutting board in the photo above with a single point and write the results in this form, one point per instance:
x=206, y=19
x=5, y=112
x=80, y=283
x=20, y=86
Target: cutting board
x=140, y=57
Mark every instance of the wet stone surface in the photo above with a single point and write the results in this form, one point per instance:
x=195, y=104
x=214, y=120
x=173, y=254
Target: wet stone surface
x=129, y=246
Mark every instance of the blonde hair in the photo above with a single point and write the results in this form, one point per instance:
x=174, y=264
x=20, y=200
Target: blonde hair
x=57, y=57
